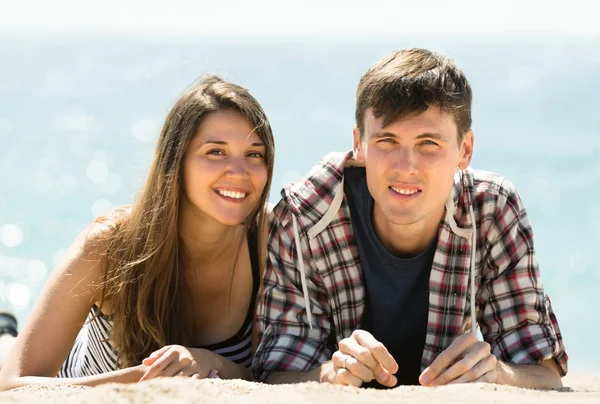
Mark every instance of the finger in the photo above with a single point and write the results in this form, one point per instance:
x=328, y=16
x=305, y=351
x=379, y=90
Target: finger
x=173, y=369
x=351, y=347
x=475, y=354
x=191, y=371
x=489, y=377
x=365, y=356
x=482, y=372
x=338, y=358
x=384, y=377
x=157, y=367
x=377, y=350
x=346, y=378
x=357, y=368
x=447, y=358
x=155, y=355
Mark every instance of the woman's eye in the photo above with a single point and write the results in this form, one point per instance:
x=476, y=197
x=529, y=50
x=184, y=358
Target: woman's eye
x=256, y=155
x=216, y=152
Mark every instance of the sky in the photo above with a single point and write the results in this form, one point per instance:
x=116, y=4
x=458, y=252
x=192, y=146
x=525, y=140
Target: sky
x=280, y=19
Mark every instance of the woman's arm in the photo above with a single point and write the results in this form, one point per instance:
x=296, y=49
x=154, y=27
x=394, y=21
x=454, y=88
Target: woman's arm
x=129, y=375
x=172, y=360
x=227, y=369
x=48, y=336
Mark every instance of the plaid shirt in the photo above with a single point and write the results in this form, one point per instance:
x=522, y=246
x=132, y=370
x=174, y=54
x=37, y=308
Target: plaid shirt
x=514, y=315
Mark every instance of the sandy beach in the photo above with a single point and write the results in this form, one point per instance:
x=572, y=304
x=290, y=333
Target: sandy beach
x=579, y=388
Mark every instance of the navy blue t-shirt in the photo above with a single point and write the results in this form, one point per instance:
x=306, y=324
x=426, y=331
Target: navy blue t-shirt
x=397, y=289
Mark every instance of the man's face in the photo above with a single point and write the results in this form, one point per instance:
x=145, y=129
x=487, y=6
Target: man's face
x=411, y=163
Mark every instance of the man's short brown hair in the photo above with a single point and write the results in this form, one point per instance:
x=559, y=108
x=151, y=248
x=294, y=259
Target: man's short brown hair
x=410, y=81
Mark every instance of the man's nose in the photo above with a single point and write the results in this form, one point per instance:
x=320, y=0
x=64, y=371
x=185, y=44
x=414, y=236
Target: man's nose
x=405, y=161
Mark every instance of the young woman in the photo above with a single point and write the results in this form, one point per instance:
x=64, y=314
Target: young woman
x=166, y=287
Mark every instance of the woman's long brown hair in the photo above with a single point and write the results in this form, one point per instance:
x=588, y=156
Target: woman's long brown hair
x=144, y=280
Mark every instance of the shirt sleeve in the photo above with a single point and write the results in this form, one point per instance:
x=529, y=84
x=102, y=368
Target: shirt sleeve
x=516, y=317
x=286, y=341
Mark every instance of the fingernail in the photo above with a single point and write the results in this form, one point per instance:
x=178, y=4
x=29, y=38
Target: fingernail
x=383, y=377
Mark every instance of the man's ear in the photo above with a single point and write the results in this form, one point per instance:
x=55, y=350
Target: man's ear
x=357, y=148
x=466, y=150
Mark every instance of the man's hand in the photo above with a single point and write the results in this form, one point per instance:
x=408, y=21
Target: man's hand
x=466, y=360
x=360, y=359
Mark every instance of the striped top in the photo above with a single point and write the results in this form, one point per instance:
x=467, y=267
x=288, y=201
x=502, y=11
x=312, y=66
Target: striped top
x=93, y=353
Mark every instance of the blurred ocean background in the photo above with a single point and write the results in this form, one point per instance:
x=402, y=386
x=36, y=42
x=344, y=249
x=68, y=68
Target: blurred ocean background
x=79, y=117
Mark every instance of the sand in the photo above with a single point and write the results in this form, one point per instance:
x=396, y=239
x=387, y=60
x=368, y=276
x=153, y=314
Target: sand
x=579, y=388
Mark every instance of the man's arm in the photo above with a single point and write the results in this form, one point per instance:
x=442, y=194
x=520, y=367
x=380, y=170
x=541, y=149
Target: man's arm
x=539, y=376
x=319, y=374
x=469, y=360
x=515, y=316
x=522, y=344
x=287, y=342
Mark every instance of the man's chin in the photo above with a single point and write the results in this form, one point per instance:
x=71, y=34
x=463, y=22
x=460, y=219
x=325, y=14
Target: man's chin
x=402, y=219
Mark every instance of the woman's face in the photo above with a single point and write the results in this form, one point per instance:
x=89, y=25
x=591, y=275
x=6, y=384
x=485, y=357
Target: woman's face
x=224, y=168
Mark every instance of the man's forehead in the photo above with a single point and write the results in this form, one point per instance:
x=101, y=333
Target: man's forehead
x=431, y=118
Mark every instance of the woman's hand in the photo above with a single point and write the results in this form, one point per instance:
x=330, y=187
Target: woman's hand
x=176, y=360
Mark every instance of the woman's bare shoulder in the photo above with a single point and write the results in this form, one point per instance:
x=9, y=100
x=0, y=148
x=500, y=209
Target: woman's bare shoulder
x=87, y=255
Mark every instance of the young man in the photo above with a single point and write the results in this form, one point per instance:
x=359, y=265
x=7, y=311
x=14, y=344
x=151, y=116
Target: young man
x=384, y=260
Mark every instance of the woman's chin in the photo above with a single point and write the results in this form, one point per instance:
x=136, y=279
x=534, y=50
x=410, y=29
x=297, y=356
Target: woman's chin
x=232, y=220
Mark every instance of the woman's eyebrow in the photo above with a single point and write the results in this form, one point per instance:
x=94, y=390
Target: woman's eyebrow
x=223, y=143
x=220, y=142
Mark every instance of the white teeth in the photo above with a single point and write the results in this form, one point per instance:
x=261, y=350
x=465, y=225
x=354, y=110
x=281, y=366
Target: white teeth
x=405, y=191
x=232, y=194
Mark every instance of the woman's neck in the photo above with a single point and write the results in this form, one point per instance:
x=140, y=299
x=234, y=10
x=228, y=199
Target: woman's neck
x=207, y=240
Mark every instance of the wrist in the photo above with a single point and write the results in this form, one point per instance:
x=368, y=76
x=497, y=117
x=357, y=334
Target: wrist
x=211, y=359
x=504, y=374
x=135, y=373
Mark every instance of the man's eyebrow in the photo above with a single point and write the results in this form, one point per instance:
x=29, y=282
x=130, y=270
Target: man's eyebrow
x=425, y=135
x=431, y=135
x=381, y=134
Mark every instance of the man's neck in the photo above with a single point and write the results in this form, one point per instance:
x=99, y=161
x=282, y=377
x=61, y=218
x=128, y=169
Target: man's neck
x=407, y=240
